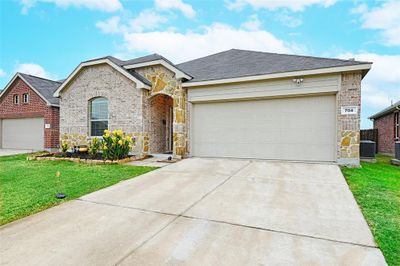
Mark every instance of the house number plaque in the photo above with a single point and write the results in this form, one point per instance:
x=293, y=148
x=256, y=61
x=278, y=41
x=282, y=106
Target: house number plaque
x=349, y=110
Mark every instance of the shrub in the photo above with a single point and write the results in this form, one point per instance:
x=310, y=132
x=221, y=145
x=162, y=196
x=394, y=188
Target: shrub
x=94, y=146
x=64, y=146
x=116, y=145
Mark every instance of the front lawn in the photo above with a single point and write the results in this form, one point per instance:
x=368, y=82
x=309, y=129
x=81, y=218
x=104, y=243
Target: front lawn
x=27, y=187
x=376, y=187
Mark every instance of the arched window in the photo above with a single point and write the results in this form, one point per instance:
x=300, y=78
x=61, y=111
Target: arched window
x=98, y=114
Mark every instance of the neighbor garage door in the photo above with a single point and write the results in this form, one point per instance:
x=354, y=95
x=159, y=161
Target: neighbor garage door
x=24, y=133
x=301, y=128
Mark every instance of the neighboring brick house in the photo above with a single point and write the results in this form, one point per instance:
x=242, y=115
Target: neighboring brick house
x=388, y=124
x=29, y=114
x=237, y=103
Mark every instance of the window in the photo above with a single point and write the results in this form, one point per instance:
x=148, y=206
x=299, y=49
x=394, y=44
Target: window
x=396, y=125
x=16, y=99
x=25, y=98
x=98, y=110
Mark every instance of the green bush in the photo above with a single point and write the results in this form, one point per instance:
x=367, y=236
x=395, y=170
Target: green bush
x=64, y=146
x=116, y=145
x=94, y=146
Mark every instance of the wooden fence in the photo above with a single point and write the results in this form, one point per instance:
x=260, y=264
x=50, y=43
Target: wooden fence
x=370, y=134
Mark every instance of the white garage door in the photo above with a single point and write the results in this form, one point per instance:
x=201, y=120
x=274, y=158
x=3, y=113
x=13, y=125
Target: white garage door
x=300, y=128
x=24, y=133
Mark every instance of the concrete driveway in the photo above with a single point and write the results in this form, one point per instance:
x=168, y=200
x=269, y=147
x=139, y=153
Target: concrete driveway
x=6, y=152
x=203, y=212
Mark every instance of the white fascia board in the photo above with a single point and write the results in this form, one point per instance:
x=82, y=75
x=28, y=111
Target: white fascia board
x=138, y=83
x=179, y=74
x=280, y=75
x=17, y=75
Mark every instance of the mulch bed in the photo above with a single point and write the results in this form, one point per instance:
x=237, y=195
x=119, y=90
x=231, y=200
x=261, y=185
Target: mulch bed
x=79, y=157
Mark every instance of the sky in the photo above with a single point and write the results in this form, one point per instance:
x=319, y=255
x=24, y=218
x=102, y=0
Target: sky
x=49, y=38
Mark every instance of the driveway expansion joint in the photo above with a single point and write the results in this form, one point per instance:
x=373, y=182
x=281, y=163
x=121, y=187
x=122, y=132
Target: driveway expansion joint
x=125, y=207
x=279, y=231
x=180, y=215
x=225, y=222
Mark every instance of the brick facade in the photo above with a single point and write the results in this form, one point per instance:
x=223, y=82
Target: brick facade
x=124, y=103
x=386, y=140
x=36, y=107
x=134, y=110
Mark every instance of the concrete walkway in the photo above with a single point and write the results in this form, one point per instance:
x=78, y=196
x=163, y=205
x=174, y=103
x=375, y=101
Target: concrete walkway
x=157, y=160
x=203, y=212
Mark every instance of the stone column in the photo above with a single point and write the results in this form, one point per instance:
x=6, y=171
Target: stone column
x=348, y=125
x=179, y=132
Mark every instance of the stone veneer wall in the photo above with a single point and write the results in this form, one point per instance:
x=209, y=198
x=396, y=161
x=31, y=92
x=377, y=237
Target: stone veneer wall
x=124, y=104
x=164, y=82
x=348, y=126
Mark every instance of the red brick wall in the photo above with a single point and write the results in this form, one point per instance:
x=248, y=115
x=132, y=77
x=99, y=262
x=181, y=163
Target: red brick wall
x=36, y=107
x=386, y=140
x=52, y=134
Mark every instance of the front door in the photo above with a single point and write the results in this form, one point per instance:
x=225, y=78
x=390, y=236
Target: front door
x=169, y=129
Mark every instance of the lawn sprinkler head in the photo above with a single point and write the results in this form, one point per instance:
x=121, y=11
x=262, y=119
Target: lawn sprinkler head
x=60, y=195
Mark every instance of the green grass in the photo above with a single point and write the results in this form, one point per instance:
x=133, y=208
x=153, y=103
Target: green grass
x=27, y=187
x=376, y=187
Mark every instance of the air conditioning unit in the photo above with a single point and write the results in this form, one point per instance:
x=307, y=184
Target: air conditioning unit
x=367, y=149
x=397, y=150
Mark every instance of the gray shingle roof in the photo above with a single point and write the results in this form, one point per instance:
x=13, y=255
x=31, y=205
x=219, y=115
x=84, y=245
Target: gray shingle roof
x=44, y=86
x=146, y=58
x=241, y=63
x=121, y=63
x=385, y=111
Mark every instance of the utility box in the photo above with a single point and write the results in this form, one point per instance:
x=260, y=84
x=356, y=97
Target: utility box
x=367, y=149
x=397, y=150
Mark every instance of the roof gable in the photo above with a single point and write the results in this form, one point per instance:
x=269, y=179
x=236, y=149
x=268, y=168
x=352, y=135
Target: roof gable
x=41, y=86
x=140, y=81
x=155, y=59
x=387, y=110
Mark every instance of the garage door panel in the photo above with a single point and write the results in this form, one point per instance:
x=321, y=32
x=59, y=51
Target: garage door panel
x=23, y=133
x=287, y=129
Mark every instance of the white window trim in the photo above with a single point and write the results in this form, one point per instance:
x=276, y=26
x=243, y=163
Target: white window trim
x=27, y=98
x=16, y=99
x=96, y=120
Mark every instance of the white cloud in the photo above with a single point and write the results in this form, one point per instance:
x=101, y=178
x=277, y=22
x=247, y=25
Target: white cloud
x=253, y=24
x=289, y=21
x=103, y=5
x=381, y=85
x=210, y=39
x=111, y=25
x=2, y=73
x=147, y=19
x=360, y=9
x=294, y=5
x=385, y=18
x=186, y=9
x=32, y=69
